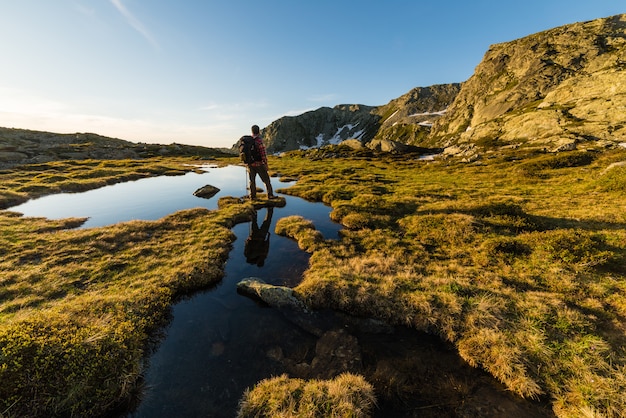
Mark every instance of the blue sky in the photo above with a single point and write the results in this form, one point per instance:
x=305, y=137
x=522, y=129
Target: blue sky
x=201, y=72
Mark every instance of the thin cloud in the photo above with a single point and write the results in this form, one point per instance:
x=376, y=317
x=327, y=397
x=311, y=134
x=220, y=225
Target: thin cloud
x=234, y=107
x=85, y=10
x=135, y=23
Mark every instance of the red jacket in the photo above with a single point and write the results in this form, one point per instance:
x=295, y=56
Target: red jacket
x=259, y=145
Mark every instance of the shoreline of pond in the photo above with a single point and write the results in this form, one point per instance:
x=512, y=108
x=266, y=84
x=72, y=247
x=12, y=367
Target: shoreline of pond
x=217, y=349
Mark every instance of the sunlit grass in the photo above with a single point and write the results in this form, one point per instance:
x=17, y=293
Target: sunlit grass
x=346, y=396
x=78, y=307
x=521, y=264
x=34, y=180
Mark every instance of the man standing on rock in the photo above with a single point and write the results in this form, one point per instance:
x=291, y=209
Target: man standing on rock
x=259, y=167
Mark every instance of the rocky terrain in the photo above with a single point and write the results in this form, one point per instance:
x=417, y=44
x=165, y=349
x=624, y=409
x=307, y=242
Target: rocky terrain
x=555, y=90
x=20, y=146
x=324, y=126
x=409, y=118
x=405, y=120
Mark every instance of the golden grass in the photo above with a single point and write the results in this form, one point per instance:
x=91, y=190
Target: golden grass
x=345, y=396
x=34, y=180
x=296, y=226
x=521, y=264
x=78, y=307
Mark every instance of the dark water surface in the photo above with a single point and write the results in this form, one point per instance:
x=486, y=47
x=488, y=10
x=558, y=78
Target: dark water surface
x=220, y=342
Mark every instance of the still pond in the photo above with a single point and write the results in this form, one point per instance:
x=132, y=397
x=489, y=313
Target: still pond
x=219, y=342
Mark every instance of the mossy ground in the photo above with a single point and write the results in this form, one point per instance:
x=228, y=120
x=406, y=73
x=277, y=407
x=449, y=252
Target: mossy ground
x=34, y=180
x=78, y=307
x=345, y=396
x=520, y=264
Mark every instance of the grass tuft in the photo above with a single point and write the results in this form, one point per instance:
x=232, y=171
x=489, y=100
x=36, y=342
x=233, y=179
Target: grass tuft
x=345, y=396
x=78, y=307
x=524, y=274
x=302, y=230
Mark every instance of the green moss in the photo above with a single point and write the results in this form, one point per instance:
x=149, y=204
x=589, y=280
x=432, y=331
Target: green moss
x=536, y=166
x=613, y=181
x=522, y=273
x=78, y=307
x=347, y=395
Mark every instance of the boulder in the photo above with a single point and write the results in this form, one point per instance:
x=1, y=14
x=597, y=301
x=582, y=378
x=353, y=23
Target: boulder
x=564, y=145
x=386, y=145
x=206, y=192
x=275, y=296
x=352, y=143
x=466, y=151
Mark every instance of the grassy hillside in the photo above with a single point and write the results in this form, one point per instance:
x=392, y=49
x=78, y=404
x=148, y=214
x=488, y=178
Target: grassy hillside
x=78, y=308
x=520, y=262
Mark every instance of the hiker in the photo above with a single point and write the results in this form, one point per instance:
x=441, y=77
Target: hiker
x=257, y=244
x=259, y=167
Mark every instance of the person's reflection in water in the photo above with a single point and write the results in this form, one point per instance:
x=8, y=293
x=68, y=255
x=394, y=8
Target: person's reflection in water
x=257, y=245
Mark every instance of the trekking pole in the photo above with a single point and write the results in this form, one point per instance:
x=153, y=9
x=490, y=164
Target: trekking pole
x=245, y=172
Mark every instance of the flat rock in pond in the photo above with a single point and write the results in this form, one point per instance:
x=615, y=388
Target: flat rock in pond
x=263, y=201
x=206, y=192
x=274, y=296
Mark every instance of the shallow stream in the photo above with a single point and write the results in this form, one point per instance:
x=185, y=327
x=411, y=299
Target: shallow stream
x=220, y=342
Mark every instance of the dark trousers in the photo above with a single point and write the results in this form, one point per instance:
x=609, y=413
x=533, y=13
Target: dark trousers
x=265, y=178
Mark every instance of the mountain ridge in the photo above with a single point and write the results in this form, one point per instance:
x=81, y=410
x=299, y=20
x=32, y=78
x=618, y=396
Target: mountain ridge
x=552, y=90
x=24, y=146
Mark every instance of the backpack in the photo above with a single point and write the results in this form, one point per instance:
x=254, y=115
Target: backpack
x=248, y=151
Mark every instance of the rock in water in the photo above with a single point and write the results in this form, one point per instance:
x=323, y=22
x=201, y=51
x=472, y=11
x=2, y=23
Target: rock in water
x=206, y=192
x=275, y=296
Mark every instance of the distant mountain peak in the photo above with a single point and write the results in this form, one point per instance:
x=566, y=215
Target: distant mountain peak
x=553, y=90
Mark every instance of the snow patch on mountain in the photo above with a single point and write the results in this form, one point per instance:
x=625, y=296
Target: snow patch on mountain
x=345, y=132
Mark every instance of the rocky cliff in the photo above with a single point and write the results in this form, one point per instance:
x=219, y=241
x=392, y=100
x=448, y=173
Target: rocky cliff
x=554, y=89
x=409, y=118
x=406, y=119
x=323, y=126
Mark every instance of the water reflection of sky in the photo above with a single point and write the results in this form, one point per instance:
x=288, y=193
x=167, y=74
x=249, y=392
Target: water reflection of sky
x=146, y=199
x=215, y=343
x=155, y=197
x=218, y=340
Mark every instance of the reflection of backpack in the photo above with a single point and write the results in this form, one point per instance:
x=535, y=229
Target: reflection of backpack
x=248, y=150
